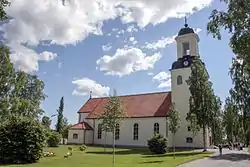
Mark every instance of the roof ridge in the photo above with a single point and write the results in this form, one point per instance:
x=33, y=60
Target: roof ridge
x=139, y=94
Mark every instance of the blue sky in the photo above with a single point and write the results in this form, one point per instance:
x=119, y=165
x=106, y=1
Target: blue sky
x=69, y=64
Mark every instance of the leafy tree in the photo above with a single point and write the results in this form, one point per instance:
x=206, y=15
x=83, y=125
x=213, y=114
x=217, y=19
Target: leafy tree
x=235, y=19
x=46, y=122
x=174, y=122
x=27, y=94
x=7, y=74
x=21, y=139
x=230, y=119
x=194, y=126
x=60, y=121
x=54, y=139
x=216, y=125
x=157, y=144
x=3, y=5
x=202, y=97
x=113, y=114
x=241, y=94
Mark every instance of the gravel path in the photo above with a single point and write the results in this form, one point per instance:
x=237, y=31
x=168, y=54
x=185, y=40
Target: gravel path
x=230, y=158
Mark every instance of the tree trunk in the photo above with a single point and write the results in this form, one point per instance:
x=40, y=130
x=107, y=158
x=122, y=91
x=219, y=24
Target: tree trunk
x=204, y=138
x=113, y=147
x=174, y=145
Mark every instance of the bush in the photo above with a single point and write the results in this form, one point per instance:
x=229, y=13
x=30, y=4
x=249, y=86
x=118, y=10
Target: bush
x=157, y=144
x=83, y=147
x=54, y=139
x=21, y=140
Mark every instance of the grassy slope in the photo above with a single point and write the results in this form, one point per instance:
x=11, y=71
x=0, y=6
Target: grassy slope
x=95, y=157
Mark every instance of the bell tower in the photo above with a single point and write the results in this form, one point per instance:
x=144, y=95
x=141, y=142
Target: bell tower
x=187, y=48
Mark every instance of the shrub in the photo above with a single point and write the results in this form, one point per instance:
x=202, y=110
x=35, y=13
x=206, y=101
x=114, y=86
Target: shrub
x=83, y=147
x=54, y=139
x=21, y=140
x=157, y=144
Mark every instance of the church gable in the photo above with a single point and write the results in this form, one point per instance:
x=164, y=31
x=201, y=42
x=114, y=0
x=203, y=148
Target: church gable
x=141, y=105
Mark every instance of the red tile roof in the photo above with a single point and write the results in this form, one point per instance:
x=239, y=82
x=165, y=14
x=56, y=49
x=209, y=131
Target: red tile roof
x=140, y=105
x=81, y=125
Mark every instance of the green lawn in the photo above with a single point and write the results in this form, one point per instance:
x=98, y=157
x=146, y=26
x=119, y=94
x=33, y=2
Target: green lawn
x=95, y=157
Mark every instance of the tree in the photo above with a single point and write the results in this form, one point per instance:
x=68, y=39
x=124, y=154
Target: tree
x=3, y=5
x=235, y=19
x=194, y=126
x=230, y=119
x=202, y=97
x=22, y=140
x=157, y=144
x=240, y=94
x=112, y=116
x=7, y=74
x=60, y=123
x=174, y=122
x=216, y=125
x=46, y=122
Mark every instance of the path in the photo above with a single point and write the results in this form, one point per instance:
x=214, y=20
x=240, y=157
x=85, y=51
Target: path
x=230, y=158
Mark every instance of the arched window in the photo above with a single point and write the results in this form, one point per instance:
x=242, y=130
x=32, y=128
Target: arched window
x=179, y=80
x=99, y=131
x=117, y=132
x=156, y=128
x=186, y=48
x=136, y=129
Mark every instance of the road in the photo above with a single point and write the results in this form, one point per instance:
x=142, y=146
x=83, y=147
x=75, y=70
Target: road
x=229, y=158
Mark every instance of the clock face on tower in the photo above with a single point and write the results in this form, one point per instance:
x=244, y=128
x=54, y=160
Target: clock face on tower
x=186, y=62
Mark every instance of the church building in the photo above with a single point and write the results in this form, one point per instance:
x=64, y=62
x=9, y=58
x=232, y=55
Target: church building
x=146, y=113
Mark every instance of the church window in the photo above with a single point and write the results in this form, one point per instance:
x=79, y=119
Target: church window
x=179, y=80
x=117, y=132
x=189, y=128
x=189, y=140
x=136, y=128
x=186, y=48
x=156, y=128
x=99, y=131
x=75, y=136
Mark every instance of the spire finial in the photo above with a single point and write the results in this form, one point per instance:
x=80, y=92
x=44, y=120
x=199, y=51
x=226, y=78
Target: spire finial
x=186, y=25
x=90, y=94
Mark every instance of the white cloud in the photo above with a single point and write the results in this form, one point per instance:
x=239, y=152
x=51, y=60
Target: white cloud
x=132, y=39
x=37, y=21
x=106, y=47
x=150, y=73
x=126, y=61
x=131, y=28
x=162, y=43
x=163, y=79
x=85, y=85
x=47, y=56
x=26, y=59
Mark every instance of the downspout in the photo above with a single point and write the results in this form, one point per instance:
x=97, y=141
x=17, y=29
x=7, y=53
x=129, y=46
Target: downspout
x=84, y=138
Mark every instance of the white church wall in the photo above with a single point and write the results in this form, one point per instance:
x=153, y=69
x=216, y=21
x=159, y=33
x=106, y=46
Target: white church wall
x=146, y=130
x=89, y=137
x=82, y=116
x=180, y=96
x=80, y=138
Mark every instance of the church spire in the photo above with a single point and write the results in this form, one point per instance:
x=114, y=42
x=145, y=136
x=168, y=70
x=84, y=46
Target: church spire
x=186, y=25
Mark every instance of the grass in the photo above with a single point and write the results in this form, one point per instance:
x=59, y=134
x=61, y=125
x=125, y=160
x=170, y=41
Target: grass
x=96, y=157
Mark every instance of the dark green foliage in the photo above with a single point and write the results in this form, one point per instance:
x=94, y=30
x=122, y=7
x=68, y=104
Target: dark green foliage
x=21, y=140
x=157, y=144
x=46, y=122
x=60, y=121
x=202, y=97
x=54, y=139
x=3, y=5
